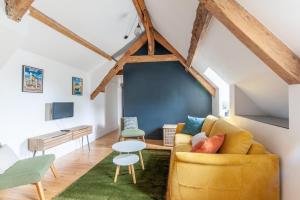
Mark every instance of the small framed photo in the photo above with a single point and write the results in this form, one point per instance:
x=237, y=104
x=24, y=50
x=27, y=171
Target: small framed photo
x=32, y=79
x=77, y=86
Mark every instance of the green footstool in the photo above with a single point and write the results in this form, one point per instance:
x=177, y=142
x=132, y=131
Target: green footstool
x=27, y=171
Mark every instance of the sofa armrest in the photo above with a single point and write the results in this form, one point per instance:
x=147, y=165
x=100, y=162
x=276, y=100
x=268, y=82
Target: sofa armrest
x=224, y=159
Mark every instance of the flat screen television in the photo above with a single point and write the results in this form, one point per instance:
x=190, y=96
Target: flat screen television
x=62, y=110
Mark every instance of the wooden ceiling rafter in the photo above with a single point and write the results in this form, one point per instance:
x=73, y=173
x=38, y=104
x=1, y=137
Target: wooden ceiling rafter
x=200, y=26
x=38, y=15
x=119, y=65
x=264, y=44
x=152, y=58
x=147, y=23
x=16, y=9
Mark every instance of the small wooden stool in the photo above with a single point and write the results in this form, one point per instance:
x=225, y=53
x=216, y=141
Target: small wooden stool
x=126, y=160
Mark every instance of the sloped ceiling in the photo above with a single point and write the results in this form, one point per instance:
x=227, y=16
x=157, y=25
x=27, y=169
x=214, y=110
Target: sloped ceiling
x=221, y=51
x=101, y=22
x=105, y=22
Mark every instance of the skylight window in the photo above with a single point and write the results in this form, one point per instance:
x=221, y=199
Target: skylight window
x=224, y=92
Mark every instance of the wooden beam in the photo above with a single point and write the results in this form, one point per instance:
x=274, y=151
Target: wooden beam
x=147, y=23
x=119, y=65
x=16, y=9
x=201, y=23
x=207, y=85
x=257, y=38
x=152, y=58
x=38, y=15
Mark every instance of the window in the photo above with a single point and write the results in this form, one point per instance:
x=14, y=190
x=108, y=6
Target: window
x=224, y=92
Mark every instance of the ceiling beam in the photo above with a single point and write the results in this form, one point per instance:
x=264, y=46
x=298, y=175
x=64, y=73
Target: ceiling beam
x=16, y=9
x=38, y=15
x=147, y=23
x=119, y=65
x=201, y=23
x=257, y=38
x=152, y=58
x=206, y=84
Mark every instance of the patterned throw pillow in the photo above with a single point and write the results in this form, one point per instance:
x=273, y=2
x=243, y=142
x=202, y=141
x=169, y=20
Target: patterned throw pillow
x=209, y=145
x=197, y=138
x=130, y=123
x=193, y=125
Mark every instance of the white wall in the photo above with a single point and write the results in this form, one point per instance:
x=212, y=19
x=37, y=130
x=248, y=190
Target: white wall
x=107, y=107
x=22, y=115
x=284, y=142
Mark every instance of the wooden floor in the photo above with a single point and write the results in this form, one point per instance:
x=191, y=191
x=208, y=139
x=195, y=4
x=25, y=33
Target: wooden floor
x=71, y=167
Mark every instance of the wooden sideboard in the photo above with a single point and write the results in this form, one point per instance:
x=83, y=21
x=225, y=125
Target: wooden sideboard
x=50, y=140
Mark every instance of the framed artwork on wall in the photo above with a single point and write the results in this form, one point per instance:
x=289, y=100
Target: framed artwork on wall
x=77, y=86
x=32, y=79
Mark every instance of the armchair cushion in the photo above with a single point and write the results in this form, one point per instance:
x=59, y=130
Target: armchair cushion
x=132, y=133
x=26, y=171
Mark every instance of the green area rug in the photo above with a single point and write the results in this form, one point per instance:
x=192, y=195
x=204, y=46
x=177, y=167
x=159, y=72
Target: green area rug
x=97, y=184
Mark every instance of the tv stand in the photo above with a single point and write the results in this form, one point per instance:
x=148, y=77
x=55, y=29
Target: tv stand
x=50, y=140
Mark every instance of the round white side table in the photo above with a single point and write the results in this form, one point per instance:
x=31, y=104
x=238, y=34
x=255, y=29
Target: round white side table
x=126, y=160
x=131, y=146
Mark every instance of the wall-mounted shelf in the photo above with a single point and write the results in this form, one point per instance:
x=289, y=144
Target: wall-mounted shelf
x=275, y=121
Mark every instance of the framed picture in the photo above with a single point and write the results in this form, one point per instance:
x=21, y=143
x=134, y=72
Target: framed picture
x=32, y=79
x=77, y=86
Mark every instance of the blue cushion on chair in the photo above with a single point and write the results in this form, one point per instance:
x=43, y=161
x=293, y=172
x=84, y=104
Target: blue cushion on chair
x=130, y=123
x=193, y=125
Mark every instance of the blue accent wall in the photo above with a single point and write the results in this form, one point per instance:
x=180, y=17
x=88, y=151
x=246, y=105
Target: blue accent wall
x=160, y=93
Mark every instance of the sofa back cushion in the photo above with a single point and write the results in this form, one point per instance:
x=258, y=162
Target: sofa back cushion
x=180, y=127
x=208, y=124
x=257, y=148
x=7, y=158
x=237, y=141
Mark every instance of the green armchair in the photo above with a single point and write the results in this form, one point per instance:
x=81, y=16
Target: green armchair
x=132, y=132
x=26, y=171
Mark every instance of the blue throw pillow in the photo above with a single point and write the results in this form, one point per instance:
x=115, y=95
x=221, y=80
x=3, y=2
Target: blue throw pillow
x=193, y=125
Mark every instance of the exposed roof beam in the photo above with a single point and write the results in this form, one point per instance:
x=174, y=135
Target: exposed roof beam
x=146, y=20
x=257, y=38
x=119, y=65
x=201, y=23
x=152, y=58
x=207, y=85
x=15, y=9
x=38, y=15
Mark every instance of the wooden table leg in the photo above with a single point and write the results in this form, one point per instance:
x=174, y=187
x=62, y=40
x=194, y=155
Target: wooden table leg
x=129, y=169
x=117, y=173
x=40, y=190
x=142, y=161
x=53, y=169
x=133, y=174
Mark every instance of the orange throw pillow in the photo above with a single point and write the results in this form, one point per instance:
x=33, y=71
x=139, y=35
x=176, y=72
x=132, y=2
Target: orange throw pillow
x=209, y=145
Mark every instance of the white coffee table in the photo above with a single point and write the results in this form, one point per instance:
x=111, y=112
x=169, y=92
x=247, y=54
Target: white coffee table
x=126, y=160
x=131, y=146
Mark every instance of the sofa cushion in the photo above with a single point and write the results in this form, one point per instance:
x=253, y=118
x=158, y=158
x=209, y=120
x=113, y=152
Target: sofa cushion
x=237, y=141
x=257, y=148
x=193, y=125
x=180, y=127
x=183, y=148
x=183, y=139
x=208, y=124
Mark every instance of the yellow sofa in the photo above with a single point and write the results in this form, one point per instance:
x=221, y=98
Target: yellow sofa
x=242, y=170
